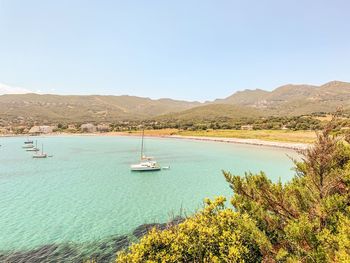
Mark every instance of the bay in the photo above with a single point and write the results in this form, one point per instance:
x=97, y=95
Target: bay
x=86, y=191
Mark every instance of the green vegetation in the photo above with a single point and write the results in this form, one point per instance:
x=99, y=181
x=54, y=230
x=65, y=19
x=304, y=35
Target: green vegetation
x=213, y=112
x=251, y=114
x=304, y=220
x=30, y=109
x=209, y=236
x=297, y=129
x=295, y=123
x=294, y=100
x=229, y=113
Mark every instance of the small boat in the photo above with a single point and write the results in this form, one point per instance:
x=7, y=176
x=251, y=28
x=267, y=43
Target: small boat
x=146, y=163
x=40, y=155
x=146, y=166
x=27, y=146
x=28, y=141
x=33, y=149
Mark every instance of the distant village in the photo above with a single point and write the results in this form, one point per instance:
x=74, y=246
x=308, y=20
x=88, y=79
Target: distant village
x=37, y=129
x=82, y=128
x=20, y=125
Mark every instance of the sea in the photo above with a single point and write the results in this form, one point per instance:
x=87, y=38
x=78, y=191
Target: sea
x=84, y=201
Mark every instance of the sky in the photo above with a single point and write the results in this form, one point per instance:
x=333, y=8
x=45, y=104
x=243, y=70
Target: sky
x=180, y=49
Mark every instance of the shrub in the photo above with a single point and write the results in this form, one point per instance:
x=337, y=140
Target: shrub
x=215, y=234
x=304, y=220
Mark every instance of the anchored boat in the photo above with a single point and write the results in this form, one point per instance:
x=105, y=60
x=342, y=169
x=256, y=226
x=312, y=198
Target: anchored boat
x=27, y=145
x=33, y=149
x=28, y=141
x=40, y=155
x=146, y=163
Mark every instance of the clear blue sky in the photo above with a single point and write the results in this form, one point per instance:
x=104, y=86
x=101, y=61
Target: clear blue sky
x=182, y=49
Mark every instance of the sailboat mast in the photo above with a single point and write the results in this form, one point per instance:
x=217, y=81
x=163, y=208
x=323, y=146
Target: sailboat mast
x=143, y=133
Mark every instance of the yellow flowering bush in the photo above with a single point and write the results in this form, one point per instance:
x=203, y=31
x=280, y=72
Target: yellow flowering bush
x=215, y=234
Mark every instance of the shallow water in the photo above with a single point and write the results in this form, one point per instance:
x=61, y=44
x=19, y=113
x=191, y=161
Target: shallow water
x=86, y=191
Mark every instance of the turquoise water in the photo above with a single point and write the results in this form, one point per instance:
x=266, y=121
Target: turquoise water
x=86, y=191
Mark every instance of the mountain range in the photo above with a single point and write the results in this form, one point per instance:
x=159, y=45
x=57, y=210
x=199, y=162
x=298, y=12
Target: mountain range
x=294, y=99
x=285, y=100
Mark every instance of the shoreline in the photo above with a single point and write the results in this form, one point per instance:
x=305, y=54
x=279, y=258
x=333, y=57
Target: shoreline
x=255, y=142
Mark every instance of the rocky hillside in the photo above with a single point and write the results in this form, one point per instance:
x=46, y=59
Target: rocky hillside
x=294, y=99
x=213, y=112
x=286, y=100
x=86, y=108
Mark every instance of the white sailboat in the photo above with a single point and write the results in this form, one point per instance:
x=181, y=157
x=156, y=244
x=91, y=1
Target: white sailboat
x=40, y=155
x=28, y=144
x=146, y=163
x=28, y=141
x=33, y=149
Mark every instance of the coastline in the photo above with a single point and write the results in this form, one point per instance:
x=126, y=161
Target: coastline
x=256, y=142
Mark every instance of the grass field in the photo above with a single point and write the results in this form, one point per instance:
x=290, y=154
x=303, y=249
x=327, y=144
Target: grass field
x=162, y=132
x=267, y=135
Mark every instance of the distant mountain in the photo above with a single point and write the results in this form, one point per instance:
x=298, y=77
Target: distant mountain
x=294, y=99
x=86, y=108
x=285, y=100
x=7, y=89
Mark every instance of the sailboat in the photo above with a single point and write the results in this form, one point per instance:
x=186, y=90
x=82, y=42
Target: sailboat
x=33, y=149
x=28, y=141
x=28, y=145
x=40, y=155
x=146, y=163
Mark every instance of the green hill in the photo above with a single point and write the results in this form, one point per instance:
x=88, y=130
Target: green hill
x=246, y=97
x=85, y=108
x=294, y=99
x=214, y=112
x=287, y=100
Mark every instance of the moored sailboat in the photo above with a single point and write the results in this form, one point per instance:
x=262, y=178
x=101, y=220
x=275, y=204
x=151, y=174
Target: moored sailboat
x=40, y=155
x=28, y=145
x=28, y=141
x=146, y=163
x=33, y=149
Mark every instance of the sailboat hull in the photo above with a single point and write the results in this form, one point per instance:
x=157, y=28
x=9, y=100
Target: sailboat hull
x=40, y=155
x=137, y=168
x=32, y=150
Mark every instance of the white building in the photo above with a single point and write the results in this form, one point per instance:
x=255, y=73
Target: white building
x=88, y=127
x=41, y=129
x=102, y=128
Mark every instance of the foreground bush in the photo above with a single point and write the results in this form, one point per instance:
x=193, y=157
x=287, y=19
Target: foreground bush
x=304, y=220
x=209, y=236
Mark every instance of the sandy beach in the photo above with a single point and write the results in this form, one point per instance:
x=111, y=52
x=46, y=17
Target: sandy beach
x=257, y=142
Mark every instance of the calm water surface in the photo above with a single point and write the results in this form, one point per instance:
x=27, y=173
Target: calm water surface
x=86, y=191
